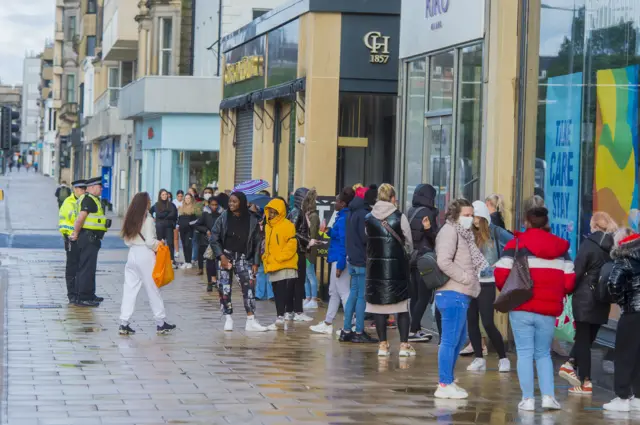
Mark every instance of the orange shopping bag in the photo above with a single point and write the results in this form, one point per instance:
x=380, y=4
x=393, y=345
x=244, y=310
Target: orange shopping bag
x=163, y=269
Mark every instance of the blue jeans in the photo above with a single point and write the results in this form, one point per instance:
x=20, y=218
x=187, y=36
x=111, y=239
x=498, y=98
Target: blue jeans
x=533, y=334
x=355, y=302
x=453, y=307
x=264, y=291
x=311, y=284
x=194, y=250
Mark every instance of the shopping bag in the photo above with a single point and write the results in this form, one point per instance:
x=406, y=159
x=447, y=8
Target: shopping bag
x=565, y=325
x=163, y=269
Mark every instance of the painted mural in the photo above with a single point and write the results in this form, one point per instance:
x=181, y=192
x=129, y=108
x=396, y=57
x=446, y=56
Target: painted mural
x=616, y=173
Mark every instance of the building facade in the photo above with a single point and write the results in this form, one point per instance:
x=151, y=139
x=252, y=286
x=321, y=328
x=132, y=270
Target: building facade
x=30, y=113
x=309, y=96
x=47, y=114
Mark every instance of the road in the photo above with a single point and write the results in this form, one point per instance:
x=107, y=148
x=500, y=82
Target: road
x=68, y=366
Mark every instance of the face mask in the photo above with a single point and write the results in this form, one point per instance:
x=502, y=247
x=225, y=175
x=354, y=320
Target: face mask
x=207, y=196
x=466, y=222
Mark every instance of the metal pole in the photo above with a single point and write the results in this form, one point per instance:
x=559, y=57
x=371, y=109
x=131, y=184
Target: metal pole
x=522, y=100
x=219, y=37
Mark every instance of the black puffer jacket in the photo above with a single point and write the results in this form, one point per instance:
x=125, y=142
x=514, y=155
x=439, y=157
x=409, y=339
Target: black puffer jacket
x=387, y=274
x=624, y=281
x=424, y=203
x=592, y=255
x=296, y=216
x=219, y=234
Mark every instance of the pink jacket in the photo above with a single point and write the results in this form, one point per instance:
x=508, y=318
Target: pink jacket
x=454, y=259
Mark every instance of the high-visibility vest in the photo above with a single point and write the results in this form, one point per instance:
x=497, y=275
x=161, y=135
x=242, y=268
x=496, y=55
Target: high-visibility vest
x=67, y=215
x=94, y=221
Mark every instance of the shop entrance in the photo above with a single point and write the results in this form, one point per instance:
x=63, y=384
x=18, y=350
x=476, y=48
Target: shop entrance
x=437, y=158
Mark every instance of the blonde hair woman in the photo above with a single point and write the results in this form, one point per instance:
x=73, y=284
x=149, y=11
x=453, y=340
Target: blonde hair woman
x=495, y=203
x=187, y=215
x=588, y=312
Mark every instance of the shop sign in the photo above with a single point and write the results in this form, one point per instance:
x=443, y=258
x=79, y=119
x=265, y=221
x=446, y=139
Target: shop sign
x=248, y=67
x=434, y=9
x=562, y=155
x=378, y=45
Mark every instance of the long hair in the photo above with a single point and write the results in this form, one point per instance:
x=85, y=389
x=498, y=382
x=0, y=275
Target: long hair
x=188, y=208
x=135, y=216
x=455, y=208
x=243, y=208
x=161, y=205
x=309, y=202
x=482, y=233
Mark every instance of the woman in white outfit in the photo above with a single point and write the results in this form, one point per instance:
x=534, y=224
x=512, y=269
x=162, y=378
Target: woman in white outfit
x=139, y=234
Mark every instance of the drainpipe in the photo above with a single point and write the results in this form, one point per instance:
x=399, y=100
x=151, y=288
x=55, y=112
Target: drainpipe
x=522, y=88
x=219, y=36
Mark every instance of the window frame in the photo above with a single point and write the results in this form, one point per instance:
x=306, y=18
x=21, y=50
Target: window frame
x=71, y=88
x=92, y=10
x=87, y=46
x=72, y=29
x=161, y=49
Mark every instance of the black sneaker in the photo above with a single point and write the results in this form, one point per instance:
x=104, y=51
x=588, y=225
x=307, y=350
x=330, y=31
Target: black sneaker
x=420, y=336
x=126, y=330
x=79, y=303
x=98, y=299
x=165, y=328
x=345, y=336
x=210, y=287
x=363, y=338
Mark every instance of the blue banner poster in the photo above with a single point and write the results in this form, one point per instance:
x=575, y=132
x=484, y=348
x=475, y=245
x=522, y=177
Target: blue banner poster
x=562, y=155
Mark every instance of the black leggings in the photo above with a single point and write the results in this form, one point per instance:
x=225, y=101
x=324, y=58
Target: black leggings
x=402, y=319
x=212, y=271
x=186, y=236
x=281, y=293
x=166, y=233
x=586, y=334
x=201, y=250
x=482, y=307
x=296, y=295
x=420, y=299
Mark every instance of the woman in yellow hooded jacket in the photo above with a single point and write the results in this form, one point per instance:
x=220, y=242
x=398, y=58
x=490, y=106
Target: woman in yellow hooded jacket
x=280, y=258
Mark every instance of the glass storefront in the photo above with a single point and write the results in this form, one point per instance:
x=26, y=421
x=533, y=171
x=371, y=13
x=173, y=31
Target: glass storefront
x=586, y=140
x=443, y=124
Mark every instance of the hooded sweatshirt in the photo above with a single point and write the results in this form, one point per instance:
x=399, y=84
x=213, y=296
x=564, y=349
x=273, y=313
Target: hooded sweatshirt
x=423, y=205
x=356, y=242
x=280, y=246
x=550, y=266
x=297, y=217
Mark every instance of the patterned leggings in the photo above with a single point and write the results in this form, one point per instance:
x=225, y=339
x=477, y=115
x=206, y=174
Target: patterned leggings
x=241, y=267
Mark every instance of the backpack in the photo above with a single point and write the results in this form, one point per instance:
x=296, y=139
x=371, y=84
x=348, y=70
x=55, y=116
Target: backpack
x=427, y=265
x=63, y=193
x=601, y=288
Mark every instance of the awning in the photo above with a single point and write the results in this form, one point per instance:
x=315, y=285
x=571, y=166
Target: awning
x=277, y=92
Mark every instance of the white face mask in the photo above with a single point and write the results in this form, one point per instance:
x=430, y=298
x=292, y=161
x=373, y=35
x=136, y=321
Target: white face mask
x=207, y=196
x=466, y=222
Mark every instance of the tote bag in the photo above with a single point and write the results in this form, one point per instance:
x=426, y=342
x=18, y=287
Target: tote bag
x=565, y=325
x=163, y=269
x=518, y=289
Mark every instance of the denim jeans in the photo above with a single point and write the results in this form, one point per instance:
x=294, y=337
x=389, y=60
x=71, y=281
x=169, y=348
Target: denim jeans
x=355, y=302
x=194, y=250
x=264, y=290
x=311, y=284
x=453, y=307
x=533, y=334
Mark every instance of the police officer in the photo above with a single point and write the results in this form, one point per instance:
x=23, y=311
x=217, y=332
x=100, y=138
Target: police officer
x=67, y=217
x=89, y=229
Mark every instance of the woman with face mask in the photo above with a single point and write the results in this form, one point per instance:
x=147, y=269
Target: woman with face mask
x=461, y=260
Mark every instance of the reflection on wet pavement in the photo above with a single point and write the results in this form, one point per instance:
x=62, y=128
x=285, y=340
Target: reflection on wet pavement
x=69, y=366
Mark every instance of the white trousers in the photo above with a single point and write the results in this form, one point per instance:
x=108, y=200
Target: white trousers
x=339, y=288
x=137, y=273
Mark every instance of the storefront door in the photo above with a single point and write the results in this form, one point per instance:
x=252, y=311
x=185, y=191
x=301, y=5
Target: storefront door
x=437, y=158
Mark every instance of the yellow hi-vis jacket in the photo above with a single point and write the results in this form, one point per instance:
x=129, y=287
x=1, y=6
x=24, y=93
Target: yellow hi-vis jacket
x=67, y=215
x=94, y=221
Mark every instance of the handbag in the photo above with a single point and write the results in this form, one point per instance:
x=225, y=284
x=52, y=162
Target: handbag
x=565, y=324
x=431, y=275
x=518, y=289
x=208, y=253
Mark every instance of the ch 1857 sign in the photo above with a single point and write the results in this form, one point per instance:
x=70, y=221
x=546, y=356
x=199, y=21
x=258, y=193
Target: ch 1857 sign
x=378, y=45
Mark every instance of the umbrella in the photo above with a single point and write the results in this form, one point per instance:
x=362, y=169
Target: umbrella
x=260, y=201
x=251, y=187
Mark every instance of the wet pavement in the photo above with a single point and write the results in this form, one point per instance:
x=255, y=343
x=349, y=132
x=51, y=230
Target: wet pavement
x=65, y=365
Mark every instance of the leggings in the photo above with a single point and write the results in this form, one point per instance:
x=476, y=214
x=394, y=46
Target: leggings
x=403, y=320
x=281, y=292
x=186, y=235
x=482, y=307
x=241, y=267
x=212, y=271
x=420, y=298
x=164, y=232
x=586, y=334
x=201, y=250
x=296, y=295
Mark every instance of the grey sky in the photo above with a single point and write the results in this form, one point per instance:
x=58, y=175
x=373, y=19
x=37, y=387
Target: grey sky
x=24, y=26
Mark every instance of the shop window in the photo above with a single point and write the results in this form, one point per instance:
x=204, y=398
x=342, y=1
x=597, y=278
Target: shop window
x=414, y=126
x=441, y=81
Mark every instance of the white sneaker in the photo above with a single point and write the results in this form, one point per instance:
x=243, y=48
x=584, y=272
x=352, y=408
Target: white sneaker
x=353, y=329
x=288, y=316
x=527, y=404
x=253, y=325
x=311, y=304
x=188, y=266
x=618, y=405
x=407, y=351
x=550, y=403
x=477, y=365
x=451, y=391
x=228, y=324
x=322, y=328
x=634, y=404
x=504, y=365
x=468, y=350
x=272, y=327
x=301, y=317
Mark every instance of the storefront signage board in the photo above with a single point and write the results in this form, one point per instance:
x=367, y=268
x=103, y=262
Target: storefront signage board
x=244, y=68
x=562, y=155
x=429, y=25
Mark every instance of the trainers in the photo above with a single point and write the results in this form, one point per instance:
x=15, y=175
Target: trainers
x=477, y=365
x=272, y=327
x=406, y=350
x=253, y=325
x=188, y=266
x=420, y=336
x=383, y=349
x=550, y=403
x=322, y=328
x=618, y=405
x=228, y=323
x=584, y=389
x=527, y=404
x=346, y=336
x=311, y=304
x=634, y=404
x=451, y=391
x=165, y=328
x=301, y=317
x=504, y=365
x=391, y=323
x=362, y=338
x=126, y=330
x=210, y=287
x=339, y=331
x=568, y=373
x=288, y=316
x=467, y=351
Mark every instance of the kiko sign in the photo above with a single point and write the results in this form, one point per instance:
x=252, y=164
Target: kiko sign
x=435, y=8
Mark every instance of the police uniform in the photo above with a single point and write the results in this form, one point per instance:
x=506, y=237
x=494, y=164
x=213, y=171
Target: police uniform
x=89, y=242
x=67, y=217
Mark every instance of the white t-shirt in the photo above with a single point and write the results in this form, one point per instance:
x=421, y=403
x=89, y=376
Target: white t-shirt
x=177, y=203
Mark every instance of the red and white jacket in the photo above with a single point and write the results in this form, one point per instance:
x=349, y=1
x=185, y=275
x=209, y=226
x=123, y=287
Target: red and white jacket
x=550, y=266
